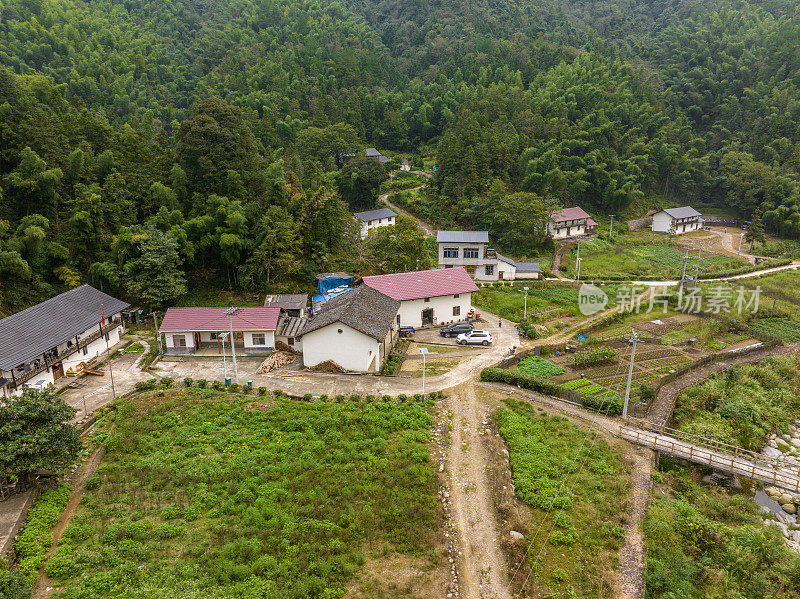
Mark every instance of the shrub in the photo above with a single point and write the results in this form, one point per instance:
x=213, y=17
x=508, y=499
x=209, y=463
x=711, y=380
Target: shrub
x=61, y=564
x=233, y=387
x=592, y=357
x=355, y=398
x=202, y=383
x=418, y=397
x=278, y=393
x=402, y=398
x=308, y=397
x=536, y=366
x=433, y=396
x=145, y=385
x=323, y=398
x=217, y=386
x=386, y=398
x=370, y=399
x=166, y=382
x=340, y=398
x=188, y=382
x=262, y=390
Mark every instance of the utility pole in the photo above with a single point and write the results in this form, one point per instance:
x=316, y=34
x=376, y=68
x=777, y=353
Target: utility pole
x=158, y=335
x=224, y=360
x=526, y=303
x=108, y=351
x=578, y=277
x=578, y=259
x=683, y=278
x=230, y=312
x=635, y=338
x=424, y=352
x=697, y=267
x=741, y=236
x=611, y=229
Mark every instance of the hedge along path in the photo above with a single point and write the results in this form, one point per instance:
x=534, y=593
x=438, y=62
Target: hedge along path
x=43, y=582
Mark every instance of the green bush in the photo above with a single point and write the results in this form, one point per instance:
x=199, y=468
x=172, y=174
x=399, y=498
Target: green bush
x=536, y=366
x=262, y=390
x=13, y=585
x=166, y=382
x=202, y=383
x=36, y=537
x=233, y=388
x=149, y=385
x=595, y=356
x=61, y=564
x=188, y=382
x=218, y=386
x=308, y=397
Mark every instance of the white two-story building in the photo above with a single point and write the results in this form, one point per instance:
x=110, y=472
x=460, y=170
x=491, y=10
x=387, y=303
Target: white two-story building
x=375, y=219
x=677, y=220
x=470, y=250
x=570, y=222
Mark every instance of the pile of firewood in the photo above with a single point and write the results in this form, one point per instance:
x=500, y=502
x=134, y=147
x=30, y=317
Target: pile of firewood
x=275, y=360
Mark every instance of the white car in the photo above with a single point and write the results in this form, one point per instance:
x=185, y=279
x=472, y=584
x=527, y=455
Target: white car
x=474, y=338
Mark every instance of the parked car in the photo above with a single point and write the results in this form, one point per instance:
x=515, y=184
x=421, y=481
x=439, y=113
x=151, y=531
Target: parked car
x=454, y=330
x=474, y=338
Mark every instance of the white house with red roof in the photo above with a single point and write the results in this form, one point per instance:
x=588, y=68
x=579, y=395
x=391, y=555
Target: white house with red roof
x=187, y=330
x=427, y=297
x=570, y=222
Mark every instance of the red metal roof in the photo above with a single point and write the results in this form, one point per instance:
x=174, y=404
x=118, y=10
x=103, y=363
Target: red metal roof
x=214, y=319
x=574, y=213
x=424, y=283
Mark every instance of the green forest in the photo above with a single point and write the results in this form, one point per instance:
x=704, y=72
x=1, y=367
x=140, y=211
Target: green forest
x=154, y=148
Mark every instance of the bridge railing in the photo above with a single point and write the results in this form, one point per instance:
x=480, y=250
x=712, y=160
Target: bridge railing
x=785, y=478
x=712, y=444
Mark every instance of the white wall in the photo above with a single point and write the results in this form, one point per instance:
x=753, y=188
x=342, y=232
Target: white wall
x=96, y=348
x=410, y=311
x=269, y=340
x=377, y=223
x=560, y=233
x=350, y=349
x=168, y=337
x=508, y=271
x=661, y=222
x=527, y=276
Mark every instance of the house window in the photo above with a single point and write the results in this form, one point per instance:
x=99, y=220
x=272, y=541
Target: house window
x=212, y=336
x=455, y=295
x=471, y=252
x=456, y=310
x=179, y=340
x=451, y=252
x=258, y=339
x=490, y=269
x=427, y=299
x=290, y=340
x=448, y=266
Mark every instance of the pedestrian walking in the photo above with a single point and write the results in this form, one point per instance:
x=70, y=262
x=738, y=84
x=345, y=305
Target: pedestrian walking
x=500, y=323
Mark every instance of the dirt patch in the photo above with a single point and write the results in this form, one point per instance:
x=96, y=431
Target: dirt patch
x=482, y=564
x=633, y=553
x=261, y=406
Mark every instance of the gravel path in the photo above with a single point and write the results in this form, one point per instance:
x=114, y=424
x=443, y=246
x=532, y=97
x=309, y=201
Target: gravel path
x=482, y=564
x=633, y=553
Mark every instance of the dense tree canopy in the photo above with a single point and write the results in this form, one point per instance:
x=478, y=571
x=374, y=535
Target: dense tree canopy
x=219, y=132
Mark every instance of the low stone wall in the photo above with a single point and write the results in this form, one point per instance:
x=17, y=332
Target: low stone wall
x=640, y=223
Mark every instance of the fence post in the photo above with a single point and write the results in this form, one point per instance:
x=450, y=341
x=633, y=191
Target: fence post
x=691, y=450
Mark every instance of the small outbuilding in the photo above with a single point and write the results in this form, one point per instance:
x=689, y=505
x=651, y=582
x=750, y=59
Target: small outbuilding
x=355, y=330
x=188, y=330
x=292, y=304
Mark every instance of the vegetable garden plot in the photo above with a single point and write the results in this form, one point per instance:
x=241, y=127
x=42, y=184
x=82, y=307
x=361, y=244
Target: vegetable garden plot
x=197, y=494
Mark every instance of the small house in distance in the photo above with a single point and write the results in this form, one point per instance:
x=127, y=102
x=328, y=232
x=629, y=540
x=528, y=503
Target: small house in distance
x=373, y=153
x=471, y=250
x=677, y=220
x=375, y=219
x=569, y=222
x=189, y=330
x=42, y=343
x=427, y=297
x=355, y=330
x=405, y=165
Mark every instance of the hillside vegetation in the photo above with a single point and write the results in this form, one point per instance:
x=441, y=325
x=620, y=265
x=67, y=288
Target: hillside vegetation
x=151, y=147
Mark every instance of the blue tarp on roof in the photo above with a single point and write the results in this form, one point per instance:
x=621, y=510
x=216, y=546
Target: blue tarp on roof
x=329, y=282
x=319, y=300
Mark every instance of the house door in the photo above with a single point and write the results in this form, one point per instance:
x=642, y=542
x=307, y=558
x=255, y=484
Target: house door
x=427, y=316
x=197, y=340
x=58, y=371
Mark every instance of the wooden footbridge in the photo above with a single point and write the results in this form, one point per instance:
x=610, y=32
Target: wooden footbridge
x=720, y=456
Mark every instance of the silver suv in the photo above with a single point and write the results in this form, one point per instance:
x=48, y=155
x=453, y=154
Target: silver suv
x=474, y=338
